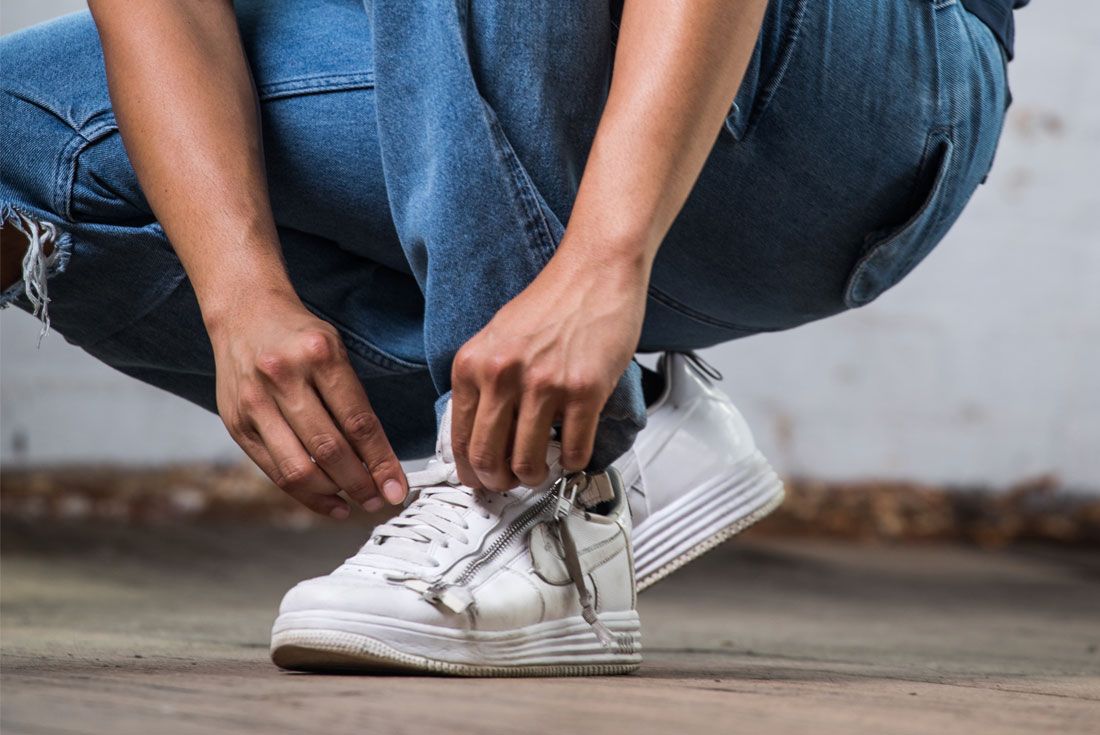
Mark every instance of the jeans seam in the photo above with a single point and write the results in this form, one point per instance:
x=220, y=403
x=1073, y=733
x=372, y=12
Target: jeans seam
x=315, y=84
x=64, y=168
x=65, y=174
x=536, y=224
x=59, y=198
x=363, y=347
x=790, y=45
x=685, y=310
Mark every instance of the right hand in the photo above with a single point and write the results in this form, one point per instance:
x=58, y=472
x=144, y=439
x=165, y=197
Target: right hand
x=291, y=399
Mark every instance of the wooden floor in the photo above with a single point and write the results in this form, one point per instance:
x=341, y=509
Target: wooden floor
x=158, y=631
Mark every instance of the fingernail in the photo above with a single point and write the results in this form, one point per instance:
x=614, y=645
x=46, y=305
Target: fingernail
x=374, y=505
x=393, y=491
x=340, y=512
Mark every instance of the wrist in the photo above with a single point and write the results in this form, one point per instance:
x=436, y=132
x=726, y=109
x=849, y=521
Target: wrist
x=626, y=258
x=231, y=308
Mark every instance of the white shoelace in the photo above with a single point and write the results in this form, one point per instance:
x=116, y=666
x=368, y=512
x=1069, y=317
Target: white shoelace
x=436, y=514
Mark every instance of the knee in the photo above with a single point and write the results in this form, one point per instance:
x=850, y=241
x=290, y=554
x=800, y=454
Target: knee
x=103, y=186
x=61, y=152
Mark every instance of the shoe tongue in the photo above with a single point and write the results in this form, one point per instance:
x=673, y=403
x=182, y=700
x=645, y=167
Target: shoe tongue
x=444, y=453
x=443, y=441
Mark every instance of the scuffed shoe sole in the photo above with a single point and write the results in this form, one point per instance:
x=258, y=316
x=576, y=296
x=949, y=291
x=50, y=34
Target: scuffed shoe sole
x=320, y=642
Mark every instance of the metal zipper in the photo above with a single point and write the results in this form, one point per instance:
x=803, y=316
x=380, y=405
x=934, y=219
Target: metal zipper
x=497, y=547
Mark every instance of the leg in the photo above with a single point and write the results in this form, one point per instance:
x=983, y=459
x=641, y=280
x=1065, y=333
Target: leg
x=822, y=193
x=115, y=287
x=508, y=97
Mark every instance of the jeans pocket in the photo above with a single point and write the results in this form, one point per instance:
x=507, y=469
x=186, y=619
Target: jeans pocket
x=767, y=66
x=892, y=253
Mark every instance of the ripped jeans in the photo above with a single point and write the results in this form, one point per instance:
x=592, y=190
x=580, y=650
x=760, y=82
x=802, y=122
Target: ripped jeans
x=422, y=161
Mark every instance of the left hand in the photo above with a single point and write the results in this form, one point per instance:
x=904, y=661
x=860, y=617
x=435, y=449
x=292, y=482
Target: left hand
x=552, y=354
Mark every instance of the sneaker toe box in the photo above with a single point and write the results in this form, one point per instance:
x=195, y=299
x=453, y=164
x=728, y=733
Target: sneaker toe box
x=347, y=596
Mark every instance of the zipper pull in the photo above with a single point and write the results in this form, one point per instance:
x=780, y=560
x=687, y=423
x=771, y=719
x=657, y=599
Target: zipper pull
x=456, y=599
x=566, y=489
x=436, y=591
x=572, y=561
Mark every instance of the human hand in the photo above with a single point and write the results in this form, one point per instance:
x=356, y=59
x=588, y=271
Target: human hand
x=291, y=399
x=552, y=354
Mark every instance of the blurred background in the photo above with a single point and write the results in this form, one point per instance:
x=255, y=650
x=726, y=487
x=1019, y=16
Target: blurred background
x=980, y=372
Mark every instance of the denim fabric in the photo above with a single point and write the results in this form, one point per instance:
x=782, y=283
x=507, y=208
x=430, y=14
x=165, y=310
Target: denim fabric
x=461, y=125
x=860, y=134
x=423, y=158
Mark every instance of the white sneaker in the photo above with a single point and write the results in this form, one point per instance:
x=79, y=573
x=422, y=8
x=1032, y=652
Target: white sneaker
x=695, y=477
x=524, y=583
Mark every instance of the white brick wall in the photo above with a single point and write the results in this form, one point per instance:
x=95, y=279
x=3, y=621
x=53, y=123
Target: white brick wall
x=983, y=367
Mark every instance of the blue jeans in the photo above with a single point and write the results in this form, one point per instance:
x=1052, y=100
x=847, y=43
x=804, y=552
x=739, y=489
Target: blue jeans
x=423, y=157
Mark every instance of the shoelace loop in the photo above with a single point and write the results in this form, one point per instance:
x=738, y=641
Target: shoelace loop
x=437, y=504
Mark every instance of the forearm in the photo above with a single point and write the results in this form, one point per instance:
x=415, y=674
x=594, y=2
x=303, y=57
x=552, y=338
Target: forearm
x=677, y=69
x=187, y=110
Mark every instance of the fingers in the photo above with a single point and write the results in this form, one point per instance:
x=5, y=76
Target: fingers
x=533, y=427
x=578, y=433
x=502, y=450
x=323, y=441
x=463, y=413
x=503, y=408
x=291, y=399
x=342, y=392
x=272, y=445
x=483, y=403
x=318, y=373
x=490, y=442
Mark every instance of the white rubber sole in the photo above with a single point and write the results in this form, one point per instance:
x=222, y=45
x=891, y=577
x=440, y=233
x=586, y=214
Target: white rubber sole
x=323, y=641
x=705, y=517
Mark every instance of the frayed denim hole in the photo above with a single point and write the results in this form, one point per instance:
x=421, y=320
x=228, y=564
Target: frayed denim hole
x=38, y=264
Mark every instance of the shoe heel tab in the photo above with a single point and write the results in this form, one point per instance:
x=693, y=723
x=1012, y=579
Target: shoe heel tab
x=605, y=495
x=686, y=376
x=701, y=367
x=620, y=507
